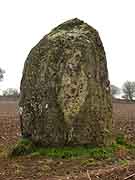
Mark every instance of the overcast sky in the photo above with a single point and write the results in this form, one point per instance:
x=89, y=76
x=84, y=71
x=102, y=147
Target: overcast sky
x=24, y=22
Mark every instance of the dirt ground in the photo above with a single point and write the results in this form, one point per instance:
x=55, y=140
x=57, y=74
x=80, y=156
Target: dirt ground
x=41, y=168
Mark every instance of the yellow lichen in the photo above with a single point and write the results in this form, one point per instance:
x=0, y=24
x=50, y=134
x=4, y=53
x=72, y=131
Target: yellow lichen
x=73, y=89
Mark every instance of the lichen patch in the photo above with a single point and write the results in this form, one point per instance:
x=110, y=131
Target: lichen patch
x=73, y=88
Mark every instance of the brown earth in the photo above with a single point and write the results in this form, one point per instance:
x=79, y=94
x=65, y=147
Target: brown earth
x=124, y=119
x=41, y=168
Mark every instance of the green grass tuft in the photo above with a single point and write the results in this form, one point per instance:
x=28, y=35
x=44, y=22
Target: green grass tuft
x=23, y=147
x=120, y=139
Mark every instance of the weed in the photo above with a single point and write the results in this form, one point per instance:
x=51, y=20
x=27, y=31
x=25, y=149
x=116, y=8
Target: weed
x=120, y=139
x=123, y=162
x=23, y=147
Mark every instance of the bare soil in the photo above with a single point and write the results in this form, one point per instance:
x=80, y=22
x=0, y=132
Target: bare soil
x=42, y=168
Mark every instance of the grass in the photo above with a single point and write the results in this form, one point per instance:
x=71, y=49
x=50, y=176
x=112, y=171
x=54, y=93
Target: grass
x=120, y=139
x=123, y=162
x=23, y=147
x=118, y=150
x=73, y=152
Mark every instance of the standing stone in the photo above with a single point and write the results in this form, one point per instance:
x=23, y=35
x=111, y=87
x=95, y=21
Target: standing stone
x=65, y=93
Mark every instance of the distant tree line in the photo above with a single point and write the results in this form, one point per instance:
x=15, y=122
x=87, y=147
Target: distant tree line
x=127, y=90
x=10, y=91
x=1, y=74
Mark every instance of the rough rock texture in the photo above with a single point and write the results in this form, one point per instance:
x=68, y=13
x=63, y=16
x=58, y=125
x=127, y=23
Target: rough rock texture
x=65, y=94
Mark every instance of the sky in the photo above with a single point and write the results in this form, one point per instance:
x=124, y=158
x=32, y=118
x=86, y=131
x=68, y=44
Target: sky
x=24, y=22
